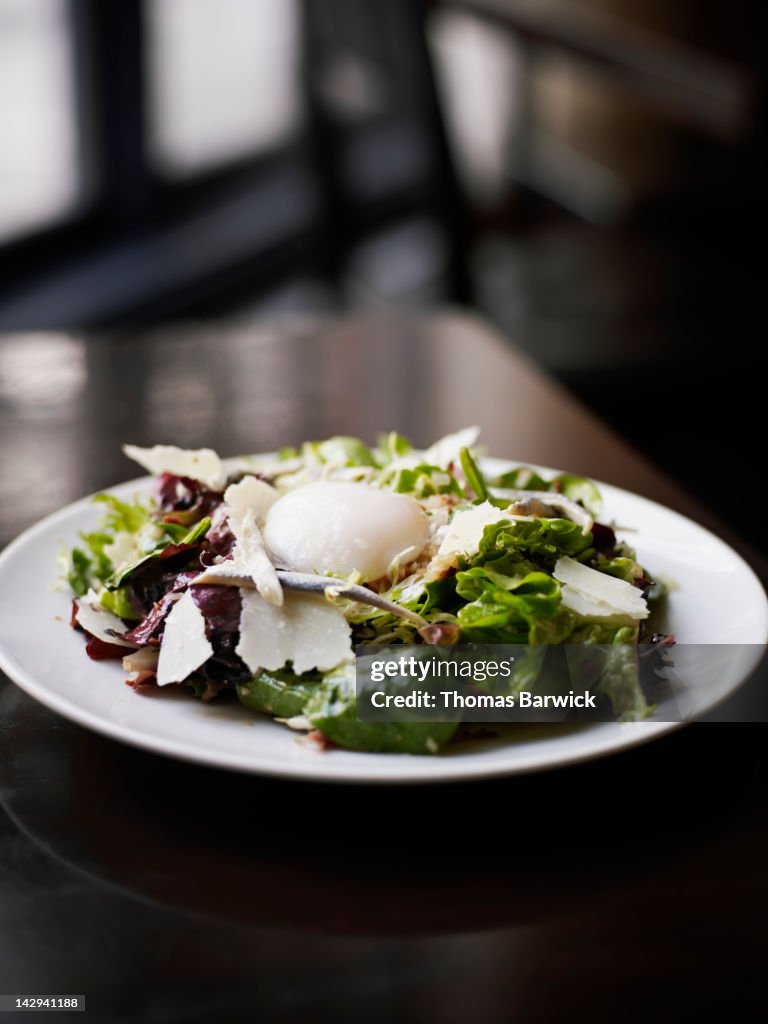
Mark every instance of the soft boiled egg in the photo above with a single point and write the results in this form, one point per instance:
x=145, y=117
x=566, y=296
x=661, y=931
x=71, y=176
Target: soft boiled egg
x=338, y=527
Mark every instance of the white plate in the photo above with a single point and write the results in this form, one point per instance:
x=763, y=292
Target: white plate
x=718, y=600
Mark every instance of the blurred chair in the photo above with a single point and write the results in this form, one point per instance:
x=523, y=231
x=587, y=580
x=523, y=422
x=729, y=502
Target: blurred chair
x=617, y=194
x=578, y=62
x=228, y=154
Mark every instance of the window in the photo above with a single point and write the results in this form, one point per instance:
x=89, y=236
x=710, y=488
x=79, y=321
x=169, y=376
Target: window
x=40, y=173
x=230, y=148
x=223, y=80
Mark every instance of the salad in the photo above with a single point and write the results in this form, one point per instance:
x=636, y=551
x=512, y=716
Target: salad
x=257, y=578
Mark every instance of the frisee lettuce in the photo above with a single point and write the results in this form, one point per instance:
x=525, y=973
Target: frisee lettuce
x=421, y=481
x=123, y=515
x=177, y=537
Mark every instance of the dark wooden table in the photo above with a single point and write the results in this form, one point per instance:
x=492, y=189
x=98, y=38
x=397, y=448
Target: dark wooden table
x=627, y=889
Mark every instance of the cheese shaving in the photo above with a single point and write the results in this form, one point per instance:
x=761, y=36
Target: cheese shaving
x=589, y=592
x=307, y=631
x=201, y=464
x=97, y=621
x=465, y=531
x=251, y=554
x=185, y=646
x=250, y=494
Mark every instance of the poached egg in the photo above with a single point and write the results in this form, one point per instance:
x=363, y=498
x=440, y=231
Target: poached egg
x=340, y=528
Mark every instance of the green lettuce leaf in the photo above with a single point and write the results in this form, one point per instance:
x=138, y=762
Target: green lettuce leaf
x=475, y=479
x=578, y=488
x=90, y=567
x=332, y=710
x=611, y=668
x=122, y=515
x=422, y=481
x=390, y=447
x=117, y=602
x=282, y=694
x=521, y=479
x=78, y=572
x=183, y=534
x=340, y=451
x=539, y=541
x=626, y=569
x=601, y=631
x=513, y=610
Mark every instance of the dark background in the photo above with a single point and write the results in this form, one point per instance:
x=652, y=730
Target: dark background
x=586, y=173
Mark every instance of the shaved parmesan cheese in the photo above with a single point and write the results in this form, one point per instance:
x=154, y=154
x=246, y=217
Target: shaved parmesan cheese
x=97, y=620
x=465, y=530
x=446, y=451
x=250, y=494
x=307, y=631
x=201, y=464
x=184, y=647
x=579, y=603
x=598, y=593
x=251, y=555
x=249, y=500
x=342, y=528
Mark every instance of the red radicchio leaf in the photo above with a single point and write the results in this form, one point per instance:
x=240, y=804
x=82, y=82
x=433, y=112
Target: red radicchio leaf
x=221, y=606
x=101, y=651
x=182, y=493
x=151, y=624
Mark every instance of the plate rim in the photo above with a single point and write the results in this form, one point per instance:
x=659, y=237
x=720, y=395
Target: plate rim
x=622, y=736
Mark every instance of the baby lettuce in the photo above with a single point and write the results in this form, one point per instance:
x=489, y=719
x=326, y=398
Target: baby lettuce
x=390, y=447
x=332, y=710
x=521, y=479
x=175, y=537
x=336, y=451
x=577, y=488
x=282, y=694
x=475, y=479
x=421, y=481
x=611, y=668
x=118, y=602
x=351, y=451
x=511, y=610
x=89, y=565
x=123, y=515
x=541, y=541
x=344, y=451
x=511, y=598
